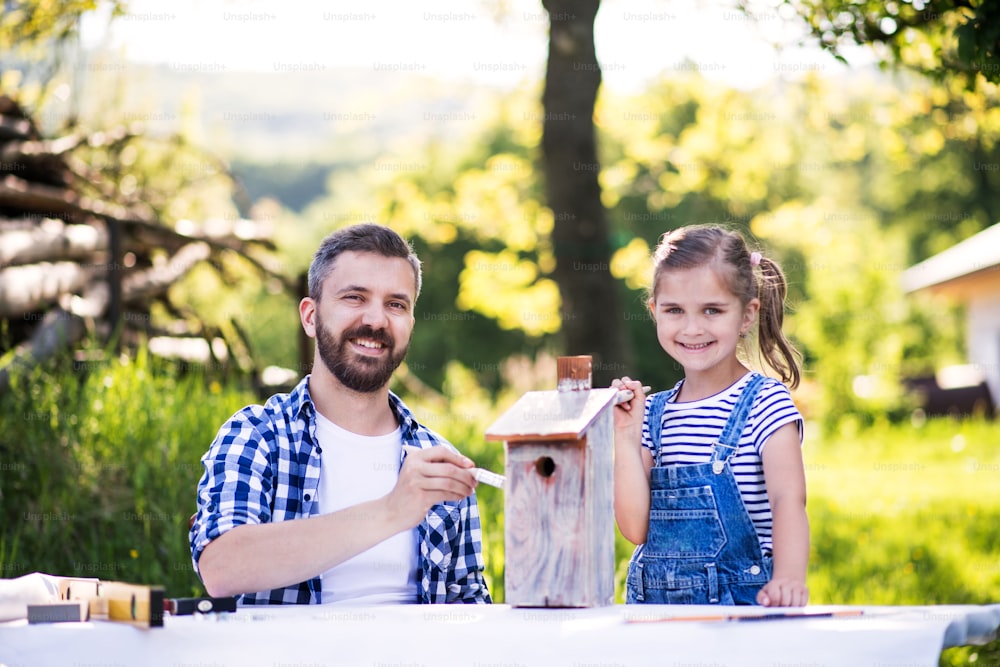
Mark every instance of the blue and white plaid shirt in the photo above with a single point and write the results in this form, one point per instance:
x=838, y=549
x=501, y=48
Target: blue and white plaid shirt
x=263, y=466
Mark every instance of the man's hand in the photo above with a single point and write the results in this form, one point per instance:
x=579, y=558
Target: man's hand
x=783, y=593
x=430, y=476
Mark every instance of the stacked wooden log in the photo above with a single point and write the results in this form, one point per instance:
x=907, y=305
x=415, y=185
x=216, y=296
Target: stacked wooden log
x=74, y=260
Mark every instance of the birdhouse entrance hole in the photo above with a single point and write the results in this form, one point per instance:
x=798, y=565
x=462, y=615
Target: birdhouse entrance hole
x=545, y=466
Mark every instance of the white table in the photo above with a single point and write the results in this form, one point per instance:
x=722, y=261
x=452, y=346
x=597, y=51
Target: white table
x=499, y=635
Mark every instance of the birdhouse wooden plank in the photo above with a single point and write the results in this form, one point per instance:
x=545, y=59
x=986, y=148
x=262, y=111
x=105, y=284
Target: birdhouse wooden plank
x=558, y=513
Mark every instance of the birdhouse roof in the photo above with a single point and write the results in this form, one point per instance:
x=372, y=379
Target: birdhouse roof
x=551, y=415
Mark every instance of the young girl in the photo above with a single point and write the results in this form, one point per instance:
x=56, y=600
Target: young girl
x=709, y=479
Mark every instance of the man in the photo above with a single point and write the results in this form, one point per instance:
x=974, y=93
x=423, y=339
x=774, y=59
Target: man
x=313, y=498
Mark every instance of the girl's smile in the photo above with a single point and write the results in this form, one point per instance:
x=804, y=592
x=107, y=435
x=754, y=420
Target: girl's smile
x=695, y=348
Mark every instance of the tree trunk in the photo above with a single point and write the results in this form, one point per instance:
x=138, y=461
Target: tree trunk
x=59, y=329
x=14, y=128
x=51, y=240
x=592, y=317
x=49, y=200
x=152, y=282
x=24, y=289
x=40, y=161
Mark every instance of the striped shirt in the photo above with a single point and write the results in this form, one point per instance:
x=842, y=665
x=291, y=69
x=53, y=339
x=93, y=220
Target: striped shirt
x=690, y=429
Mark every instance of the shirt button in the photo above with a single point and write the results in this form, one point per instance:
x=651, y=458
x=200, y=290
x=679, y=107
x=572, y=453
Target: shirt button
x=755, y=569
x=307, y=497
x=319, y=450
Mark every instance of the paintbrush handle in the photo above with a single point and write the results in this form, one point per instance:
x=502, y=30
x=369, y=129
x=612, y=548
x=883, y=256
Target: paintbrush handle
x=487, y=477
x=626, y=395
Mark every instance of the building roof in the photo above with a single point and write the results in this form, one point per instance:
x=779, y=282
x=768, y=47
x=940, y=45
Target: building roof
x=973, y=261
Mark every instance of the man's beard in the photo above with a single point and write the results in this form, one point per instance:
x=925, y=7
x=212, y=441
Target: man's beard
x=362, y=374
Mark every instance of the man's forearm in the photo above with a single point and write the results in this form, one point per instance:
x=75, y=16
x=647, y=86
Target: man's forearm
x=251, y=558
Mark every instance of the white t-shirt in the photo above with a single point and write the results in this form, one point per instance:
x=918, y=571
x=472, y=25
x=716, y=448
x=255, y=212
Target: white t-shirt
x=356, y=469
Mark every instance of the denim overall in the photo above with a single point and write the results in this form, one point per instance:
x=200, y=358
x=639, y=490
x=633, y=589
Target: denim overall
x=701, y=547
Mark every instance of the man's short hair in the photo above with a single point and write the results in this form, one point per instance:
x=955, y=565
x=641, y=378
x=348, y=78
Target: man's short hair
x=364, y=237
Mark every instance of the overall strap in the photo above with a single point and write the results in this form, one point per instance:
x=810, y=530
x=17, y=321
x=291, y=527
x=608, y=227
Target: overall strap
x=729, y=440
x=658, y=402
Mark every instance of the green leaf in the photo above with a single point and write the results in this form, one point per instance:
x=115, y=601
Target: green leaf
x=967, y=46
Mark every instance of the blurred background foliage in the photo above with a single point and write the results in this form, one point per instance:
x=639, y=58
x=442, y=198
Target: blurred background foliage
x=846, y=180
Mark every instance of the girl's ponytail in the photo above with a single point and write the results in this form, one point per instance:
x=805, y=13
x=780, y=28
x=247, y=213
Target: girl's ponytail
x=777, y=350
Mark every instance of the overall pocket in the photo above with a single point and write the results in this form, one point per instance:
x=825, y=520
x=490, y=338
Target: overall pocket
x=633, y=578
x=685, y=523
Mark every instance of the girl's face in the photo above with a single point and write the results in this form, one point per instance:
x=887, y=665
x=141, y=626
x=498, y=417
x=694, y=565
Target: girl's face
x=699, y=322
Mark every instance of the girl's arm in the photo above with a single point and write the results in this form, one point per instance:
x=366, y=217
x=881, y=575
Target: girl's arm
x=784, y=475
x=632, y=465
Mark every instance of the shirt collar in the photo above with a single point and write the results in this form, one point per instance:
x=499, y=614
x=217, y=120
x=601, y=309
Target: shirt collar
x=302, y=405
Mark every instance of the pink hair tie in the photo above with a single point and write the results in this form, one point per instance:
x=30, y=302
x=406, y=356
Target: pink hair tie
x=755, y=258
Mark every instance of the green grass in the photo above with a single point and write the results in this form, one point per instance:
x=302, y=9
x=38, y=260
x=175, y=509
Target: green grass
x=908, y=515
x=98, y=469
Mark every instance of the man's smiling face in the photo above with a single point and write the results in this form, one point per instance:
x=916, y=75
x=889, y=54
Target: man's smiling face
x=364, y=319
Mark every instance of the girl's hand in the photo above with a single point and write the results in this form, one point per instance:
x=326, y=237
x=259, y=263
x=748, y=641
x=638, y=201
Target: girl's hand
x=783, y=593
x=629, y=413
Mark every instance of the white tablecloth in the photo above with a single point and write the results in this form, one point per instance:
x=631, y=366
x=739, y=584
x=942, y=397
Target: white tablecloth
x=502, y=636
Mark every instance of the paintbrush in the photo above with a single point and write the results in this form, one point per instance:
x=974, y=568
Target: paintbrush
x=626, y=395
x=482, y=475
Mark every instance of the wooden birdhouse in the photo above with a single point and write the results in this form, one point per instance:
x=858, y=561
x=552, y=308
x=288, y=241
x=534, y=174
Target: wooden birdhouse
x=559, y=530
